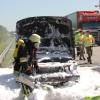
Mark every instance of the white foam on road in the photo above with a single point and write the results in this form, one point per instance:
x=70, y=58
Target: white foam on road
x=89, y=85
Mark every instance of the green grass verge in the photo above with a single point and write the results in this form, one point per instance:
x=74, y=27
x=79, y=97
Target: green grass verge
x=9, y=57
x=92, y=98
x=2, y=46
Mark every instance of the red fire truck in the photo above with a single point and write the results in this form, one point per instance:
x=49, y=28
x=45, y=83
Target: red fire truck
x=87, y=20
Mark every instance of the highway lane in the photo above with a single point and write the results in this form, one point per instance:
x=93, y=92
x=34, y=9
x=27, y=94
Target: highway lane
x=95, y=58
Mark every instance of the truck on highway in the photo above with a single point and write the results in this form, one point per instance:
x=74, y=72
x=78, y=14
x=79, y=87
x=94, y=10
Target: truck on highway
x=87, y=20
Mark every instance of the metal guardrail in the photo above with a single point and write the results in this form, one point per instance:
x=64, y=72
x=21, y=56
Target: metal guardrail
x=3, y=54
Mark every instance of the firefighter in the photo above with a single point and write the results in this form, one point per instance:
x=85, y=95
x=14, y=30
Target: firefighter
x=16, y=59
x=26, y=55
x=20, y=56
x=32, y=46
x=81, y=46
x=89, y=41
x=77, y=40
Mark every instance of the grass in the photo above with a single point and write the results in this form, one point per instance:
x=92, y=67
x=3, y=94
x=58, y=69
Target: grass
x=92, y=98
x=9, y=57
x=2, y=46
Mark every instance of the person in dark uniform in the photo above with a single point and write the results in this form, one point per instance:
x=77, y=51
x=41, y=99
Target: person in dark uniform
x=16, y=59
x=27, y=58
x=32, y=46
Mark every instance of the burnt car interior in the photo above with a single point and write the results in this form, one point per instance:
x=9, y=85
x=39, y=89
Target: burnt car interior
x=55, y=31
x=56, y=52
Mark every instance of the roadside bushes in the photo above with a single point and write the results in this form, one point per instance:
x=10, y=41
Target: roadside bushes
x=92, y=98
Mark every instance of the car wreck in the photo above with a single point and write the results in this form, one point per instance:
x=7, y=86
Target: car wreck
x=56, y=53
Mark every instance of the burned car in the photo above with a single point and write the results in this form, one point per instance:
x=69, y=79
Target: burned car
x=56, y=53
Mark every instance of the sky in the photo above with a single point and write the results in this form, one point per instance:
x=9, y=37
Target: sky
x=14, y=10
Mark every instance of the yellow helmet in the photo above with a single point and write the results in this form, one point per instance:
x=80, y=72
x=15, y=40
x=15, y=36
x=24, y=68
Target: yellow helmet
x=20, y=42
x=35, y=38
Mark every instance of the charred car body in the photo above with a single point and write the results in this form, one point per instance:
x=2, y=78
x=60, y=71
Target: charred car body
x=56, y=53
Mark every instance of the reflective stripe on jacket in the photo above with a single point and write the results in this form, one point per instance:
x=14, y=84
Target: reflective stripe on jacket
x=23, y=59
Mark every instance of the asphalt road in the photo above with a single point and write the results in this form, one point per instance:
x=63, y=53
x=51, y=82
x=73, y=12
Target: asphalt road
x=95, y=58
x=96, y=55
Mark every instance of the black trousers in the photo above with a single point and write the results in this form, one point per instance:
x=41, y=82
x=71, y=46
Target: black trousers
x=89, y=53
x=16, y=65
x=23, y=69
x=78, y=50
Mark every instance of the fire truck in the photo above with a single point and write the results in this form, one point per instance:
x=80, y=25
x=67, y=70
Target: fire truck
x=87, y=20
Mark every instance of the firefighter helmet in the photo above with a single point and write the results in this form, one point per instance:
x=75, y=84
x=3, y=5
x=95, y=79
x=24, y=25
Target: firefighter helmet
x=35, y=38
x=20, y=42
